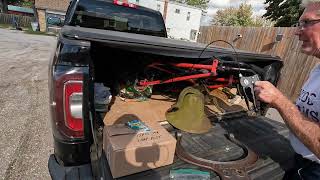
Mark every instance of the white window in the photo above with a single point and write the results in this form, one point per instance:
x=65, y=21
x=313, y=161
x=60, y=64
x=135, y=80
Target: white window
x=137, y=1
x=188, y=16
x=158, y=7
x=178, y=11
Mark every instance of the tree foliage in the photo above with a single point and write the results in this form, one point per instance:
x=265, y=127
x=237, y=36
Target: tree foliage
x=244, y=15
x=284, y=12
x=226, y=17
x=197, y=3
x=3, y=6
x=240, y=16
x=259, y=21
x=23, y=3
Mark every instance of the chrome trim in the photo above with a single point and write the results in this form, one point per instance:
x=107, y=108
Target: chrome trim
x=75, y=101
x=63, y=98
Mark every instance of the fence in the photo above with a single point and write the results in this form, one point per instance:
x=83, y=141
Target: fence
x=24, y=21
x=297, y=65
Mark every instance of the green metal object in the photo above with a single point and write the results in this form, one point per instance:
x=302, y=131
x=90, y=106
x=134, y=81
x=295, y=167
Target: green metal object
x=188, y=113
x=132, y=92
x=183, y=174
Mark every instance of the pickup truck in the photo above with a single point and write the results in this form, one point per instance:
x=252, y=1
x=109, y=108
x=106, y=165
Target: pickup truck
x=113, y=43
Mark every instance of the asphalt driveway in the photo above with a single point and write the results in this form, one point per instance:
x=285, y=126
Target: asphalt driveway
x=25, y=134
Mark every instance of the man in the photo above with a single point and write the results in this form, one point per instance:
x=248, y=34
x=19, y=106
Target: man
x=302, y=118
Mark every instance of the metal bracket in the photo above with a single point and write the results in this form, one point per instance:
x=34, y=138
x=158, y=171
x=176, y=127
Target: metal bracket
x=248, y=82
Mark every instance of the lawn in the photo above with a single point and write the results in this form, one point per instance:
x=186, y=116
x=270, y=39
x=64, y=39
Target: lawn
x=5, y=26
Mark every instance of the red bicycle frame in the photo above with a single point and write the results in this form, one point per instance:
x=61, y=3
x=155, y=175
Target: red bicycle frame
x=212, y=68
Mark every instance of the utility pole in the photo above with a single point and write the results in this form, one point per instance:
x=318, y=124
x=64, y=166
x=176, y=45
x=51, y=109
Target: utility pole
x=165, y=10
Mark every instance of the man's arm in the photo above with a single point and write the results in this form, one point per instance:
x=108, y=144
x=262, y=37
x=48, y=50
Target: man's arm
x=305, y=129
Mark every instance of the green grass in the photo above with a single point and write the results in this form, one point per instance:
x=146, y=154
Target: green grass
x=5, y=26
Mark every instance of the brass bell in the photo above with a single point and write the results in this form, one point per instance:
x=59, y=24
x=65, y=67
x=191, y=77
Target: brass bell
x=188, y=113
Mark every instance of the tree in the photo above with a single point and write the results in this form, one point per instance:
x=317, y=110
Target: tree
x=23, y=3
x=241, y=16
x=203, y=4
x=244, y=15
x=259, y=21
x=3, y=6
x=226, y=17
x=284, y=12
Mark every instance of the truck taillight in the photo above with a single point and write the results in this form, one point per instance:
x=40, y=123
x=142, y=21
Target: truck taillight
x=68, y=112
x=73, y=105
x=120, y=3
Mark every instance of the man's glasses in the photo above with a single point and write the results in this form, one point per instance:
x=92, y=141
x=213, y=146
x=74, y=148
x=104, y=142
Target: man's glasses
x=306, y=23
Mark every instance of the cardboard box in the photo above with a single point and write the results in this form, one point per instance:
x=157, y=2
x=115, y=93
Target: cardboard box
x=129, y=152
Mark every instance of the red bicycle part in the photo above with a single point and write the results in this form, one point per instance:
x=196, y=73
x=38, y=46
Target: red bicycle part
x=212, y=68
x=182, y=78
x=217, y=86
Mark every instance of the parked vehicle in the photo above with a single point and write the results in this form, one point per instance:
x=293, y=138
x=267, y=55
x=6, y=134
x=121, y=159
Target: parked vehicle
x=113, y=43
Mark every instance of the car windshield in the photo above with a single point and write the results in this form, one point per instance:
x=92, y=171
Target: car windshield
x=118, y=18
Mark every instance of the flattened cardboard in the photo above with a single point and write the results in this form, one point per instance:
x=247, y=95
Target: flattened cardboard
x=129, y=152
x=152, y=110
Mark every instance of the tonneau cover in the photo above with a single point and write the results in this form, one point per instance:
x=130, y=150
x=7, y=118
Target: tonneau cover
x=157, y=45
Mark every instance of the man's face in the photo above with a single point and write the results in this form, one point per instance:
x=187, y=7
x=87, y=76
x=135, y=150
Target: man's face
x=309, y=31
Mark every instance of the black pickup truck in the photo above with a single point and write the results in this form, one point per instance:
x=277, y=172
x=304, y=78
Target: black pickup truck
x=113, y=43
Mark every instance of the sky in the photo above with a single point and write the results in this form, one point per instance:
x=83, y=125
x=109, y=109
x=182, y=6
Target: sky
x=215, y=5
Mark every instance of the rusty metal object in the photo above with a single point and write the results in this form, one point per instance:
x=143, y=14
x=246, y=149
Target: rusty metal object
x=231, y=170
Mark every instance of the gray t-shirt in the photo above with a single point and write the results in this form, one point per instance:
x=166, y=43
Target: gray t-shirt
x=309, y=104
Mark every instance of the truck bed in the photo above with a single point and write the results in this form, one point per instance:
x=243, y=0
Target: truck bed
x=266, y=137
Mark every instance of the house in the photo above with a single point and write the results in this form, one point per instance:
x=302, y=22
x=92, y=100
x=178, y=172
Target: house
x=182, y=21
x=50, y=10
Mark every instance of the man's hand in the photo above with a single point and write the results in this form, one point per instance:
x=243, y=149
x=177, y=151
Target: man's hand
x=307, y=130
x=266, y=92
